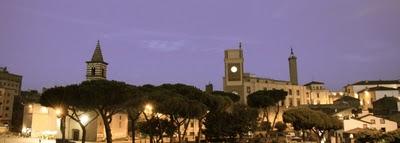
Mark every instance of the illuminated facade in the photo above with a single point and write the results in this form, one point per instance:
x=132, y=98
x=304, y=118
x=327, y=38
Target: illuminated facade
x=353, y=89
x=237, y=81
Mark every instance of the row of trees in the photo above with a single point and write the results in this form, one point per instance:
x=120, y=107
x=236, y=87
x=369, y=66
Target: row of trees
x=305, y=119
x=169, y=108
x=173, y=106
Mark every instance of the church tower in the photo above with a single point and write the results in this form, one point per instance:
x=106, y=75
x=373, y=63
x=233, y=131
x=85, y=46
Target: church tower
x=233, y=79
x=293, y=68
x=96, y=68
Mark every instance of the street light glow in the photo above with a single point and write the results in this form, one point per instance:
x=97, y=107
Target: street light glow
x=148, y=108
x=84, y=119
x=58, y=112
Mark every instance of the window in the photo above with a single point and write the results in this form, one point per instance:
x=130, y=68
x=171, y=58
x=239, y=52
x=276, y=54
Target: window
x=290, y=92
x=383, y=129
x=102, y=72
x=7, y=108
x=308, y=94
x=192, y=124
x=373, y=121
x=290, y=102
x=248, y=89
x=93, y=71
x=298, y=101
x=317, y=95
x=191, y=133
x=382, y=121
x=298, y=92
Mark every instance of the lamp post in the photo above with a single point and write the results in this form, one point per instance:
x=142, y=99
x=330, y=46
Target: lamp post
x=61, y=114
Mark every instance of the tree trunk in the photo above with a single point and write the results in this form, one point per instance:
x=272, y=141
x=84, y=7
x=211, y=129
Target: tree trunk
x=276, y=116
x=83, y=134
x=133, y=127
x=107, y=127
x=63, y=129
x=200, y=127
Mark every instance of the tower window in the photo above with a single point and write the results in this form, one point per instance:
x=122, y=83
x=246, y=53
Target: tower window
x=102, y=72
x=93, y=71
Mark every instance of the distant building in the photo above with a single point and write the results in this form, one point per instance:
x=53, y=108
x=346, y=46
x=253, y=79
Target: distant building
x=42, y=121
x=353, y=89
x=371, y=122
x=369, y=95
x=10, y=88
x=319, y=94
x=237, y=81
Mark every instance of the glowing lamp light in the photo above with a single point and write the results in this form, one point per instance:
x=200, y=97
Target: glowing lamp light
x=148, y=108
x=84, y=119
x=58, y=112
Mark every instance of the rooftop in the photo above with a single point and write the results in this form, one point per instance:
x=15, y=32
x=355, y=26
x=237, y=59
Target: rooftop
x=376, y=82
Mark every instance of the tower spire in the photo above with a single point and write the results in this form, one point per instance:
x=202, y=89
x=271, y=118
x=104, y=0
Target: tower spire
x=97, y=55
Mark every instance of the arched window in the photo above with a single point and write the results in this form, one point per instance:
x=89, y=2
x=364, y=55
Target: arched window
x=93, y=71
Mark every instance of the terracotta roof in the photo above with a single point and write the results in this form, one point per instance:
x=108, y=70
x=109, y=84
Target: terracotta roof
x=376, y=82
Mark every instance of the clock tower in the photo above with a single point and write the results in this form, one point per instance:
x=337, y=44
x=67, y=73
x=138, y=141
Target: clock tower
x=96, y=68
x=233, y=79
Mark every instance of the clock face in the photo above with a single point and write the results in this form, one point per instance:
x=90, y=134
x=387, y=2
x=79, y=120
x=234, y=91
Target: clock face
x=234, y=69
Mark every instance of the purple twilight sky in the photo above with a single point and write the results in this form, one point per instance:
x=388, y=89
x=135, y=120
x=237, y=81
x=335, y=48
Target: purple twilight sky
x=336, y=42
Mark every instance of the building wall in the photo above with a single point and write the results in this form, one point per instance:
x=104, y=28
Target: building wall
x=370, y=122
x=367, y=97
x=379, y=123
x=42, y=120
x=10, y=87
x=353, y=123
x=388, y=93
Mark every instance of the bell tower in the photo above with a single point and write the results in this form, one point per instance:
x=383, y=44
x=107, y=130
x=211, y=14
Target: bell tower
x=233, y=79
x=293, y=68
x=96, y=68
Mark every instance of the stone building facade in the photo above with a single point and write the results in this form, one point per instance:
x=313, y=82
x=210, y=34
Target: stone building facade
x=10, y=87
